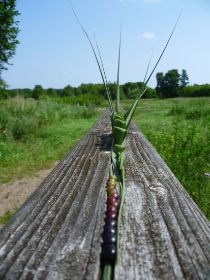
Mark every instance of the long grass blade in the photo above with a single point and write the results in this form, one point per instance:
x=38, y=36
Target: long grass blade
x=163, y=51
x=141, y=88
x=94, y=52
x=134, y=105
x=133, y=108
x=148, y=66
x=103, y=69
x=118, y=77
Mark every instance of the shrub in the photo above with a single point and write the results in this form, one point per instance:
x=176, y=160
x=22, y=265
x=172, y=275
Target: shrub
x=22, y=127
x=195, y=90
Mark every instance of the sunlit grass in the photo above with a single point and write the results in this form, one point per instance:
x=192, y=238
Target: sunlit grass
x=180, y=131
x=34, y=134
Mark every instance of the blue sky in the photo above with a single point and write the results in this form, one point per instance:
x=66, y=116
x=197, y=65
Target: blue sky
x=53, y=51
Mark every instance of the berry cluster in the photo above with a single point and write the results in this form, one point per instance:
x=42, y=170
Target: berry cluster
x=110, y=231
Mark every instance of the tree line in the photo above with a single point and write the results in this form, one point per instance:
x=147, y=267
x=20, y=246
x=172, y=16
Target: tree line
x=83, y=95
x=170, y=84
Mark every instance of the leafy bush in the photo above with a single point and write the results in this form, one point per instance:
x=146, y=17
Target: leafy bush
x=22, y=127
x=195, y=91
x=195, y=111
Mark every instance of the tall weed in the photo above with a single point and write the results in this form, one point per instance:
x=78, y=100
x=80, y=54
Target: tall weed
x=19, y=118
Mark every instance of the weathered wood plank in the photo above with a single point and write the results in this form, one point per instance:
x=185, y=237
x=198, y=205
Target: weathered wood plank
x=163, y=234
x=57, y=232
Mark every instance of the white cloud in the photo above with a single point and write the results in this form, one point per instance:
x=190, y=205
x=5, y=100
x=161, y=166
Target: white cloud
x=148, y=35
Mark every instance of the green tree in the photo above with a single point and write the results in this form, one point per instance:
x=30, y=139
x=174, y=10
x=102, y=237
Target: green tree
x=160, y=84
x=67, y=91
x=51, y=92
x=168, y=84
x=3, y=91
x=184, y=80
x=171, y=83
x=131, y=90
x=38, y=92
x=8, y=32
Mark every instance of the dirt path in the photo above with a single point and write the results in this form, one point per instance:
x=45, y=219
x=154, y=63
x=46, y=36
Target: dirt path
x=13, y=195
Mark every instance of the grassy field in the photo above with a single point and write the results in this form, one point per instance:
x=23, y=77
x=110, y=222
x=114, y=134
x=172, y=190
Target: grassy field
x=34, y=134
x=180, y=131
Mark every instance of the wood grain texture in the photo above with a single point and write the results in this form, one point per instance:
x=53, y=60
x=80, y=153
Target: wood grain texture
x=57, y=232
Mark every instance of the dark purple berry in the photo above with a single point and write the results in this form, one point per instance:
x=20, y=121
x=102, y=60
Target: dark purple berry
x=111, y=215
x=108, y=229
x=111, y=209
x=109, y=239
x=116, y=196
x=109, y=253
x=111, y=201
x=110, y=222
x=113, y=204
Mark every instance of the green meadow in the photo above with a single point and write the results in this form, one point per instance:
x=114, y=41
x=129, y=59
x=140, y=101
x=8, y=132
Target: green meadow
x=34, y=134
x=179, y=129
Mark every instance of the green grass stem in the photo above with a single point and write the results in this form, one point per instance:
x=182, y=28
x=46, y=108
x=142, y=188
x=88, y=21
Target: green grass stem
x=96, y=57
x=118, y=79
x=142, y=91
x=107, y=272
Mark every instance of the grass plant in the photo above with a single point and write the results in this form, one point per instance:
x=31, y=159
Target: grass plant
x=119, y=122
x=6, y=217
x=34, y=134
x=178, y=130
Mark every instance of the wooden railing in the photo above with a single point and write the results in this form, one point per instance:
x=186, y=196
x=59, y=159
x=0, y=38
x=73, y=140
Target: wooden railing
x=57, y=232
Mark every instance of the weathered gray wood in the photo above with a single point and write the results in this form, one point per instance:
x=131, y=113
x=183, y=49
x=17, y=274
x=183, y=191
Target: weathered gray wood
x=57, y=232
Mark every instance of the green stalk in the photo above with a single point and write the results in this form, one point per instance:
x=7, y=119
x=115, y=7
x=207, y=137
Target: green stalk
x=104, y=72
x=97, y=60
x=120, y=124
x=129, y=116
x=107, y=272
x=118, y=80
x=141, y=90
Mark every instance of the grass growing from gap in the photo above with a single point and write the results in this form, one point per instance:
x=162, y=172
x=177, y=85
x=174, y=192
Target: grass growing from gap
x=180, y=131
x=34, y=134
